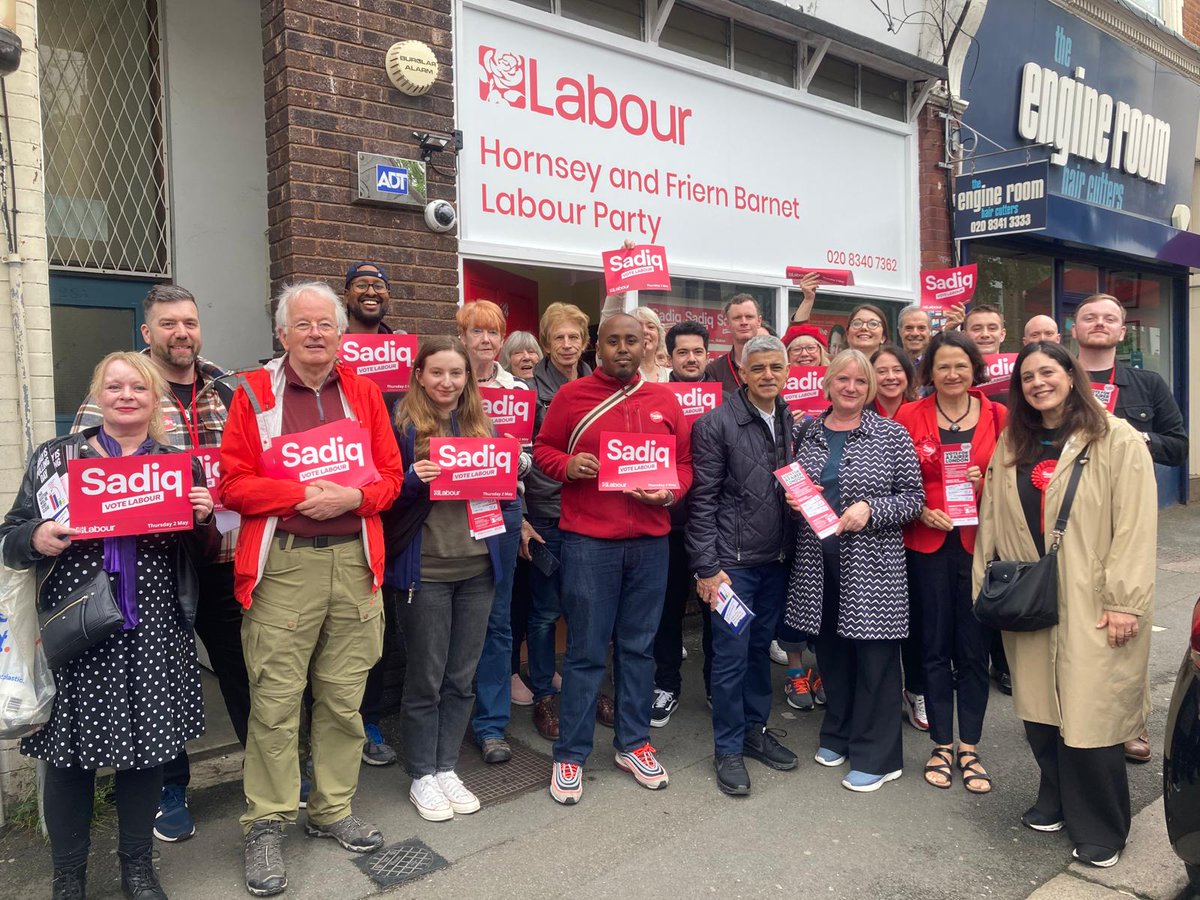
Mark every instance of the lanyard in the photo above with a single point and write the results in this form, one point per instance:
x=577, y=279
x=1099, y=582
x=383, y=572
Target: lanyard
x=189, y=421
x=729, y=359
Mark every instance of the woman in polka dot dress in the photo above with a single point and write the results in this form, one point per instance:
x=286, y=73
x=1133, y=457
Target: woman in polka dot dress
x=133, y=700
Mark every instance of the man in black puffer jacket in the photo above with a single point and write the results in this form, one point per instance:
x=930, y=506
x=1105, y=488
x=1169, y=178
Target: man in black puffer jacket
x=740, y=533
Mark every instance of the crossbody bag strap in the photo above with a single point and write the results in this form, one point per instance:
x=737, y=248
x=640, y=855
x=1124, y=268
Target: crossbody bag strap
x=1069, y=498
x=597, y=411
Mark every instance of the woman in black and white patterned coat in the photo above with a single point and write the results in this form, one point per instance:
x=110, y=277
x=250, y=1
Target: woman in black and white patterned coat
x=850, y=588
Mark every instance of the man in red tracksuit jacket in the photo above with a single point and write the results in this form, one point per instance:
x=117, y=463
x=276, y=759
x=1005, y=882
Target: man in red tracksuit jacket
x=308, y=569
x=614, y=550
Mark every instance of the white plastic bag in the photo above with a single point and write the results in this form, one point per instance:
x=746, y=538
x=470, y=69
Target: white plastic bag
x=26, y=684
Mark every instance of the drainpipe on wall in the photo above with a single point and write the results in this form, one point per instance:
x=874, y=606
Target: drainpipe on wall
x=24, y=384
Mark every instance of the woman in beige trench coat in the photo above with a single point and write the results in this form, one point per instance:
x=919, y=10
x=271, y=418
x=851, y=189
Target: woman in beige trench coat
x=1081, y=687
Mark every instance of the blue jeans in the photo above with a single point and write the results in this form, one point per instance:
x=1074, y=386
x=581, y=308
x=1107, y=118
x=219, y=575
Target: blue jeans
x=544, y=609
x=612, y=591
x=741, y=667
x=493, y=678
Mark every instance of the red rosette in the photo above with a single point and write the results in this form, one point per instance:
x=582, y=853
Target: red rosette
x=927, y=449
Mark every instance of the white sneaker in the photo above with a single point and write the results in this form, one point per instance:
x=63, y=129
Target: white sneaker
x=462, y=801
x=913, y=708
x=426, y=795
x=778, y=654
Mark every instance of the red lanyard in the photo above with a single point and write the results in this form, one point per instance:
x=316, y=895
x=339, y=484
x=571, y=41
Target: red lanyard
x=189, y=422
x=729, y=359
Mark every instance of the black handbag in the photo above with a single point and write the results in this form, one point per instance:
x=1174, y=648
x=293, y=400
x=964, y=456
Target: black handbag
x=1023, y=596
x=82, y=619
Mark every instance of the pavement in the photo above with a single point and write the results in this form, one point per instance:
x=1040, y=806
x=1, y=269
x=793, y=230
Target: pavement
x=799, y=834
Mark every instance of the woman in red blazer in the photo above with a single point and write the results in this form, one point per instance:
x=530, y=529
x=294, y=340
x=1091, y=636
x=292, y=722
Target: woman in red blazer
x=939, y=554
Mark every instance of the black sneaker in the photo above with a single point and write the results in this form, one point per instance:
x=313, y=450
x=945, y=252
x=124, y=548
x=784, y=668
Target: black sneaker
x=1039, y=821
x=70, y=883
x=265, y=874
x=732, y=777
x=665, y=703
x=139, y=881
x=759, y=743
x=1100, y=857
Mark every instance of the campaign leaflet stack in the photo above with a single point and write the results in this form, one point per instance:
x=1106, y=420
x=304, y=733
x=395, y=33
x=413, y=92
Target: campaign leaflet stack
x=474, y=468
x=644, y=268
x=339, y=452
x=943, y=288
x=999, y=373
x=385, y=359
x=511, y=410
x=631, y=461
x=828, y=276
x=960, y=492
x=804, y=390
x=695, y=397
x=124, y=495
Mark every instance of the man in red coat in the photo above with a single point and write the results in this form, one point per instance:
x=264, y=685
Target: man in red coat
x=308, y=570
x=614, y=550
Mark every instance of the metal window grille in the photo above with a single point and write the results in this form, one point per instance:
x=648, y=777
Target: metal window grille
x=107, y=205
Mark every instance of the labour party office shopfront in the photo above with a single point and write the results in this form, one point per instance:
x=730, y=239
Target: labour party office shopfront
x=1119, y=134
x=579, y=133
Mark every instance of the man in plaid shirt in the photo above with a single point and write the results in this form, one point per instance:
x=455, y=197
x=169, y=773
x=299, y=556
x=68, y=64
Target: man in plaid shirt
x=194, y=410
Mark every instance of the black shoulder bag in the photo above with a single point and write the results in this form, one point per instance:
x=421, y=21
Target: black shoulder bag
x=1023, y=596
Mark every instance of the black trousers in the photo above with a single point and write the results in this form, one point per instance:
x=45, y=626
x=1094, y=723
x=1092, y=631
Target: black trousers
x=371, y=707
x=955, y=643
x=219, y=626
x=862, y=683
x=1089, y=787
x=912, y=652
x=668, y=641
x=68, y=796
x=521, y=601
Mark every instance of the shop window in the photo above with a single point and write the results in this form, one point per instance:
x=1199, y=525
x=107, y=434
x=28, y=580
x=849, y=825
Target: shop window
x=696, y=33
x=544, y=5
x=1153, y=7
x=619, y=16
x=759, y=54
x=884, y=95
x=704, y=302
x=1019, y=284
x=831, y=314
x=836, y=79
x=1147, y=302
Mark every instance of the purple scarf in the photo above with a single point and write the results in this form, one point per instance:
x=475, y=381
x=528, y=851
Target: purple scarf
x=120, y=553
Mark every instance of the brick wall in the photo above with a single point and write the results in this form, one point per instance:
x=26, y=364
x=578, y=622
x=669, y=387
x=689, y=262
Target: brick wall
x=1191, y=20
x=328, y=97
x=937, y=248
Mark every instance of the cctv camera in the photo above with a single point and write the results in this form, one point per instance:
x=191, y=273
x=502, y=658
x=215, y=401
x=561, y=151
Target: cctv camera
x=440, y=216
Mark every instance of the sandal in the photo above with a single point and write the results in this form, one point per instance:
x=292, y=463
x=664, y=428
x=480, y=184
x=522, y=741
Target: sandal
x=972, y=769
x=943, y=768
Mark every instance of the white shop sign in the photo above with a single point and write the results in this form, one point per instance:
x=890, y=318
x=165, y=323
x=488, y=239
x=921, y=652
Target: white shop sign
x=571, y=146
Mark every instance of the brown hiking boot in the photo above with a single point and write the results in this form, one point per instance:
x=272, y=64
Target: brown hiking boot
x=545, y=717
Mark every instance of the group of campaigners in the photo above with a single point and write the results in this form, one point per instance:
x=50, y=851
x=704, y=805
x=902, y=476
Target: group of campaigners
x=296, y=604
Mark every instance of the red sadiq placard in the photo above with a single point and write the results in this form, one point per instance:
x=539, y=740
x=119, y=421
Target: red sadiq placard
x=960, y=493
x=116, y=496
x=210, y=459
x=1107, y=395
x=696, y=397
x=339, y=452
x=474, y=468
x=385, y=359
x=630, y=461
x=813, y=506
x=644, y=268
x=804, y=390
x=511, y=411
x=828, y=276
x=942, y=288
x=999, y=372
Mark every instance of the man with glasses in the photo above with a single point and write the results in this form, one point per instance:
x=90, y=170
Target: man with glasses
x=308, y=568
x=367, y=296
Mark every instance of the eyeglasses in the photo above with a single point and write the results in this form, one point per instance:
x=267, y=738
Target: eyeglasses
x=869, y=324
x=379, y=287
x=324, y=328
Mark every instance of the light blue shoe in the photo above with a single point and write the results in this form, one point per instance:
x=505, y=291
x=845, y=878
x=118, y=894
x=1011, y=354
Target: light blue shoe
x=864, y=783
x=827, y=757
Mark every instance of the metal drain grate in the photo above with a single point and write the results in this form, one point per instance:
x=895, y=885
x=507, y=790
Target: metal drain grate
x=400, y=862
x=528, y=770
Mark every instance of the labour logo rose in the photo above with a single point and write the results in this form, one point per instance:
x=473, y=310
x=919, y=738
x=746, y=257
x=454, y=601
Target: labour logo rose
x=502, y=77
